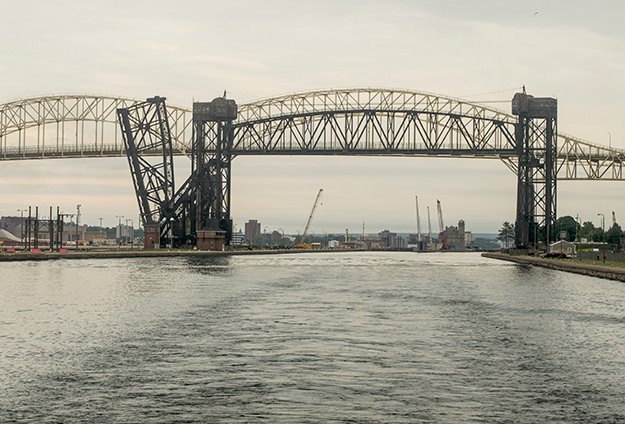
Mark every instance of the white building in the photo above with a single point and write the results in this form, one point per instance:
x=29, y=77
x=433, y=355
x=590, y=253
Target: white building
x=563, y=247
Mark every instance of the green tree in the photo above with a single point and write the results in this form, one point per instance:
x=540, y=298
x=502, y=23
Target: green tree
x=506, y=234
x=614, y=236
x=587, y=230
x=591, y=233
x=569, y=224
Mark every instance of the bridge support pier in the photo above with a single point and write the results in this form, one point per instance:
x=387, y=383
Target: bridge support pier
x=535, y=137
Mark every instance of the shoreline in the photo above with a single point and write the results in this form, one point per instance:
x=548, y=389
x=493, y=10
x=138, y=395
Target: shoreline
x=599, y=271
x=129, y=254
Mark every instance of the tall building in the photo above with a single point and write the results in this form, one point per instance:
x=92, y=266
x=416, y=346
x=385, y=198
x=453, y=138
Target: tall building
x=455, y=237
x=252, y=230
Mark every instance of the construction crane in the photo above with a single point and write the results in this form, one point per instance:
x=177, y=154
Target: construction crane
x=439, y=212
x=418, y=221
x=442, y=236
x=429, y=228
x=310, y=217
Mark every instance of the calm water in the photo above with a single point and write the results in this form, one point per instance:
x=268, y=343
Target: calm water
x=353, y=337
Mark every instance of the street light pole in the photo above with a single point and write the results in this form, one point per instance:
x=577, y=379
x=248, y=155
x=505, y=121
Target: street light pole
x=77, y=222
x=602, y=223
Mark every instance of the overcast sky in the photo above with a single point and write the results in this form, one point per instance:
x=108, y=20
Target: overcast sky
x=187, y=50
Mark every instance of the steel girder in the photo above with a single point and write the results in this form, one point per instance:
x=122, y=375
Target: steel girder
x=536, y=182
x=81, y=126
x=212, y=165
x=73, y=126
x=536, y=170
x=371, y=132
x=145, y=128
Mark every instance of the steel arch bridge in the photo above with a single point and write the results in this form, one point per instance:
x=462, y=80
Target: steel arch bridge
x=314, y=123
x=372, y=122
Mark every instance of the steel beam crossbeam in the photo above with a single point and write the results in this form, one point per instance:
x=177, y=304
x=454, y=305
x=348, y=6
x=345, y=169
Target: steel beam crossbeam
x=370, y=131
x=145, y=128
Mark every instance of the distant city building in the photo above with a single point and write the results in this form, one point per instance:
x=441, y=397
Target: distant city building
x=392, y=240
x=94, y=237
x=333, y=244
x=13, y=224
x=238, y=239
x=252, y=230
x=456, y=238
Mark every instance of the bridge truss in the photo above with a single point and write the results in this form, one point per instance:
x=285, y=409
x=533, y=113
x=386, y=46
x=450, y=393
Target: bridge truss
x=82, y=126
x=371, y=122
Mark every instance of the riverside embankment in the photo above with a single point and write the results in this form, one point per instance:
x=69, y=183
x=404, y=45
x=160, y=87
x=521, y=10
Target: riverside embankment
x=116, y=254
x=593, y=270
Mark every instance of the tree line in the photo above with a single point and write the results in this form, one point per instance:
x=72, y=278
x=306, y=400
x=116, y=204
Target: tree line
x=567, y=228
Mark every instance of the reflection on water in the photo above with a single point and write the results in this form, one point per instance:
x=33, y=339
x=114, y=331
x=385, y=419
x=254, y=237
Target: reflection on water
x=212, y=265
x=347, y=337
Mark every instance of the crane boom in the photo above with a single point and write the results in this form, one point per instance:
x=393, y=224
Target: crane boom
x=429, y=227
x=418, y=220
x=442, y=236
x=310, y=217
x=439, y=211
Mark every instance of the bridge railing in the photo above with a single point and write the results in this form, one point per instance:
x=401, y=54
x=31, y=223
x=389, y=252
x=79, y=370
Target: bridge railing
x=72, y=151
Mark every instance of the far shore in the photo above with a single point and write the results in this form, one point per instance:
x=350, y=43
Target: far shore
x=155, y=253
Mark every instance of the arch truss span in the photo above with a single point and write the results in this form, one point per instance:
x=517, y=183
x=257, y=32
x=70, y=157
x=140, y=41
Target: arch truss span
x=336, y=122
x=73, y=126
x=372, y=122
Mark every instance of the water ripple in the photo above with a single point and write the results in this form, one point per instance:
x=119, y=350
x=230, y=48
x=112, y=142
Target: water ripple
x=347, y=337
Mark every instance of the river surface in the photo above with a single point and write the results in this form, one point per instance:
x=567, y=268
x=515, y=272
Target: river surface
x=309, y=338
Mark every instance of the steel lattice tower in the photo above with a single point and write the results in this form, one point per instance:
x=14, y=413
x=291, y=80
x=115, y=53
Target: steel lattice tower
x=535, y=136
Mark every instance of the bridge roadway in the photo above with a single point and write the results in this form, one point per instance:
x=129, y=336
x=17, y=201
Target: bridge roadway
x=368, y=122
